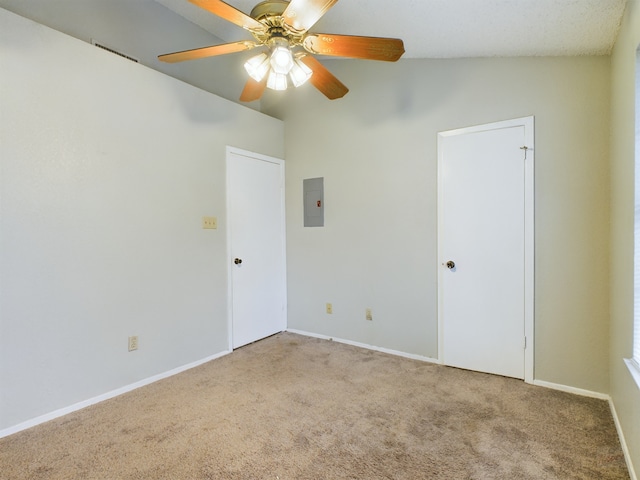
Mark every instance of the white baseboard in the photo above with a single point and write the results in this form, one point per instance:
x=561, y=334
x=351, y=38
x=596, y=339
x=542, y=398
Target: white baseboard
x=623, y=442
x=105, y=396
x=368, y=347
x=574, y=390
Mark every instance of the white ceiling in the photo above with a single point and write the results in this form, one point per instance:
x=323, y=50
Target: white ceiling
x=456, y=28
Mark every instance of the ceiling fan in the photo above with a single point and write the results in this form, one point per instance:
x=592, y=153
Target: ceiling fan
x=282, y=26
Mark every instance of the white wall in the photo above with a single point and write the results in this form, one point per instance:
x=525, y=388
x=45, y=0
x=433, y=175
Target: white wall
x=106, y=170
x=625, y=393
x=376, y=149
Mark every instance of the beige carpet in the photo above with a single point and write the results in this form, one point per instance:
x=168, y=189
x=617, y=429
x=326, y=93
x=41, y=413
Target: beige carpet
x=292, y=407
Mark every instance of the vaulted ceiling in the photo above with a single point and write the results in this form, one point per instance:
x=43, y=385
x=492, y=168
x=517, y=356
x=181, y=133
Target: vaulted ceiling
x=429, y=28
x=457, y=28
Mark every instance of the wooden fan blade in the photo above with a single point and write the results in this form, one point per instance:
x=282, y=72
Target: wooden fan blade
x=323, y=79
x=253, y=90
x=233, y=15
x=301, y=15
x=207, y=51
x=367, y=48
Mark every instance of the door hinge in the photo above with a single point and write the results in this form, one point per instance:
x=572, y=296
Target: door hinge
x=525, y=343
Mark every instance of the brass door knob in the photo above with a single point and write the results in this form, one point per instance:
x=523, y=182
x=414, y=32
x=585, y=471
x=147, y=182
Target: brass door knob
x=237, y=261
x=451, y=265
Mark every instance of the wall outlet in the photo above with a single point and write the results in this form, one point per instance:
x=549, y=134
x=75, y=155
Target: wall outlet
x=368, y=314
x=133, y=343
x=209, y=223
x=329, y=308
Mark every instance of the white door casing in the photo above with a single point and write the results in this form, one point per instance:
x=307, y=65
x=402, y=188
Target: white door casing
x=485, y=226
x=256, y=238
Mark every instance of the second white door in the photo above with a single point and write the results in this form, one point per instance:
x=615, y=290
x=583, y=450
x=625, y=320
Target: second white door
x=483, y=247
x=255, y=196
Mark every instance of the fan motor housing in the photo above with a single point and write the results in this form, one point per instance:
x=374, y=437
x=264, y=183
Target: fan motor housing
x=269, y=8
x=269, y=13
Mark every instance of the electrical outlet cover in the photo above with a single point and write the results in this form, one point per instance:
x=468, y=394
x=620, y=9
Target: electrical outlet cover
x=209, y=223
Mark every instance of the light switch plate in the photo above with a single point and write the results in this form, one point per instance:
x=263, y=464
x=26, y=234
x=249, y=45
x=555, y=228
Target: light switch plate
x=209, y=223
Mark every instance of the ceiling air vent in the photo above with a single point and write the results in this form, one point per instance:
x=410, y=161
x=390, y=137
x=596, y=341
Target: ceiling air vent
x=108, y=49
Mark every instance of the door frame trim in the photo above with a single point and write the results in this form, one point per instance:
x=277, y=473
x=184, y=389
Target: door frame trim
x=529, y=234
x=230, y=150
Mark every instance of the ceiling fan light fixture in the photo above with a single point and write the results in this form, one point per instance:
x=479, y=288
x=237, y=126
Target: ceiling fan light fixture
x=299, y=73
x=258, y=66
x=281, y=60
x=277, y=81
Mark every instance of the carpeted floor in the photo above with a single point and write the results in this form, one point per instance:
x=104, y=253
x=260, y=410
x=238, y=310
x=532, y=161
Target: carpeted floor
x=292, y=407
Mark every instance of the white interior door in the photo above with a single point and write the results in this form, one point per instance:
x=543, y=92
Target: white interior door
x=486, y=247
x=255, y=203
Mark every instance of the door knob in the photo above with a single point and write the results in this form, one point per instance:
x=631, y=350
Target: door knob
x=451, y=265
x=237, y=261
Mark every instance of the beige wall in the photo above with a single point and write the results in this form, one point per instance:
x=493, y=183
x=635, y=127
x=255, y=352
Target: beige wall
x=107, y=168
x=625, y=393
x=376, y=149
